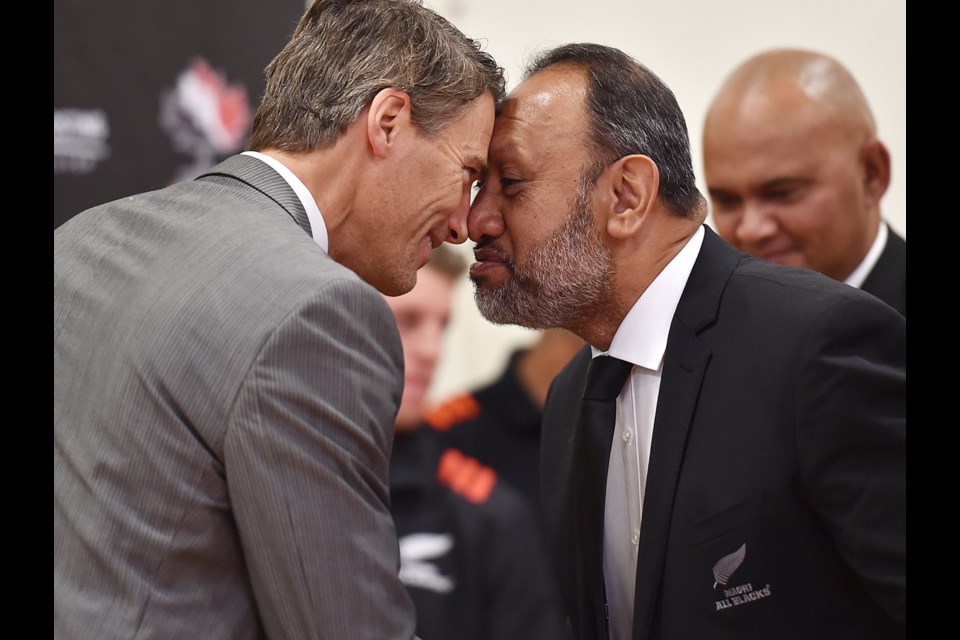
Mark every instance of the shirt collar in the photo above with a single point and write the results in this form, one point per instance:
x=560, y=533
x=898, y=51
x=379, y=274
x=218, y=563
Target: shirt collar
x=860, y=274
x=317, y=226
x=642, y=336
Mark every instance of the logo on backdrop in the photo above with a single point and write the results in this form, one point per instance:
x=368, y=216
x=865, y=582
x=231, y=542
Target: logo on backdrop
x=205, y=117
x=79, y=140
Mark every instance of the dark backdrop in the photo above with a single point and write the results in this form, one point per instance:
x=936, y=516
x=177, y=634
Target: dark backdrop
x=148, y=92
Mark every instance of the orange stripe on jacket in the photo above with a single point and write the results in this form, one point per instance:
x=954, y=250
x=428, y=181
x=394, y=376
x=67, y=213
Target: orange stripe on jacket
x=453, y=411
x=466, y=476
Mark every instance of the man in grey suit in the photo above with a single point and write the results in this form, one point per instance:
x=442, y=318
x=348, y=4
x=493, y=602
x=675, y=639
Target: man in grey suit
x=225, y=376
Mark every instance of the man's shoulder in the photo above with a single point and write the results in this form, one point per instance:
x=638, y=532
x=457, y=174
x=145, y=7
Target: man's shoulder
x=770, y=315
x=790, y=289
x=210, y=251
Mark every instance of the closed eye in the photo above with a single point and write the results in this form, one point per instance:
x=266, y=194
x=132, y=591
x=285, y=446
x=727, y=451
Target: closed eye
x=784, y=190
x=723, y=201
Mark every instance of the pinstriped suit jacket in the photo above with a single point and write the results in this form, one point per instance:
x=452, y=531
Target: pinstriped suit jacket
x=224, y=398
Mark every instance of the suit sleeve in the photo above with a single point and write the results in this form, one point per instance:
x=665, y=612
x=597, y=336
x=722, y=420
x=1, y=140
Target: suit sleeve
x=307, y=459
x=852, y=441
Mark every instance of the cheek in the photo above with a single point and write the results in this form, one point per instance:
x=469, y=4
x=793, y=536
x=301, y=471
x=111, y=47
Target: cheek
x=814, y=220
x=524, y=213
x=443, y=196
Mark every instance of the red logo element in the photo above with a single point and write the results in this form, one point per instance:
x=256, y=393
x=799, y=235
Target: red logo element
x=205, y=116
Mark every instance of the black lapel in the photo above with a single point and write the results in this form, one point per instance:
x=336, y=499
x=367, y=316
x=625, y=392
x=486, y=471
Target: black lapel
x=888, y=278
x=685, y=363
x=558, y=493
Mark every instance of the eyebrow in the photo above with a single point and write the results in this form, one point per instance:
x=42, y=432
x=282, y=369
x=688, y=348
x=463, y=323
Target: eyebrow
x=784, y=181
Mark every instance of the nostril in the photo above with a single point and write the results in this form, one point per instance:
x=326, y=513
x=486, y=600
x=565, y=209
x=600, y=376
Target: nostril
x=454, y=235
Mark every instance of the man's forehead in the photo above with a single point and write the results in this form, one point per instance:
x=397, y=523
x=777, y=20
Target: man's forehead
x=543, y=93
x=548, y=104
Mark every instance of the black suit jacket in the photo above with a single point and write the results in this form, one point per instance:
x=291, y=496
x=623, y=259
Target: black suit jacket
x=780, y=435
x=888, y=278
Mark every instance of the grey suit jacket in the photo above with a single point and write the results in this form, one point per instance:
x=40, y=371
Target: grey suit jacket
x=224, y=398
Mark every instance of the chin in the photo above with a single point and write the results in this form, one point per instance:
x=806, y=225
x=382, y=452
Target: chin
x=393, y=286
x=408, y=420
x=790, y=260
x=490, y=280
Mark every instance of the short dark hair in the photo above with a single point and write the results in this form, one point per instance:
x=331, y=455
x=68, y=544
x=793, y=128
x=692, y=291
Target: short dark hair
x=632, y=111
x=343, y=52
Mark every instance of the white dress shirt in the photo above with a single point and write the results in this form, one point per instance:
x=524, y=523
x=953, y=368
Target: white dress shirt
x=860, y=274
x=317, y=226
x=642, y=340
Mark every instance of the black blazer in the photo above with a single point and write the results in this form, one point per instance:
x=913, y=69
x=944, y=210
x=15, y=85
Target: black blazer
x=780, y=435
x=888, y=278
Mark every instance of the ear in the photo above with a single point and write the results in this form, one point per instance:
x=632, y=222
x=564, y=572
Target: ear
x=629, y=189
x=876, y=168
x=388, y=115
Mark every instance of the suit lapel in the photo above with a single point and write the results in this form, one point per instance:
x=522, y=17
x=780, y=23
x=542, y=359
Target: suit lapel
x=685, y=363
x=559, y=477
x=888, y=278
x=263, y=178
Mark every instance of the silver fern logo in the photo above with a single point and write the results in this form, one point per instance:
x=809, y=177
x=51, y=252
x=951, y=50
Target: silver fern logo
x=417, y=550
x=741, y=594
x=727, y=565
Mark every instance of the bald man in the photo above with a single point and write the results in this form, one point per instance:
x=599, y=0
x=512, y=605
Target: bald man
x=795, y=172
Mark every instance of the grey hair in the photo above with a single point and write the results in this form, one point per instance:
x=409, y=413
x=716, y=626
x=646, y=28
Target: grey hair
x=343, y=52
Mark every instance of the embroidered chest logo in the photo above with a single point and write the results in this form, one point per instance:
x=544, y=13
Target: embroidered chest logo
x=416, y=552
x=740, y=594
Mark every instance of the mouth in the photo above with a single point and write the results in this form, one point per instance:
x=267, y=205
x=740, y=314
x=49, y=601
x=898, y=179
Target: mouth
x=436, y=238
x=489, y=258
x=427, y=245
x=416, y=382
x=777, y=249
x=779, y=256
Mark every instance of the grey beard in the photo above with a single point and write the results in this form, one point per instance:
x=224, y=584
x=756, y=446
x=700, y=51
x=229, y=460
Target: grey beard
x=565, y=281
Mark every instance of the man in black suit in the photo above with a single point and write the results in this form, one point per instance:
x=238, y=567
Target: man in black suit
x=795, y=172
x=754, y=484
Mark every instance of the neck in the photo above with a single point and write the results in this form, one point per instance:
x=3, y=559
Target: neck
x=332, y=176
x=638, y=261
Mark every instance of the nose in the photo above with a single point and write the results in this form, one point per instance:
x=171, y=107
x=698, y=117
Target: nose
x=757, y=225
x=457, y=223
x=485, y=219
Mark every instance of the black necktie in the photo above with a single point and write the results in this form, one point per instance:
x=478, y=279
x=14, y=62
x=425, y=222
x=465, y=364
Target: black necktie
x=606, y=376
